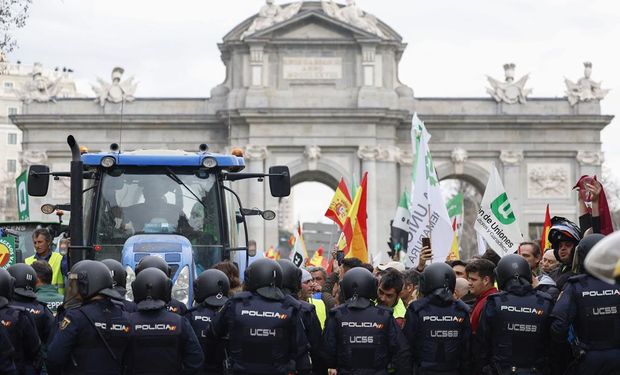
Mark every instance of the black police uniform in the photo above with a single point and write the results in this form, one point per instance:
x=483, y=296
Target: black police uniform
x=265, y=335
x=514, y=332
x=312, y=361
x=592, y=308
x=364, y=340
x=91, y=339
x=213, y=349
x=41, y=314
x=163, y=343
x=22, y=332
x=7, y=366
x=439, y=334
x=177, y=307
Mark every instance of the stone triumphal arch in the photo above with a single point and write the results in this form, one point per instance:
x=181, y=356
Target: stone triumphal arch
x=315, y=85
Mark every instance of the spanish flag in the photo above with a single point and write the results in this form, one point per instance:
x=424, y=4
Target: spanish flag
x=544, y=241
x=272, y=253
x=355, y=228
x=454, y=250
x=318, y=260
x=340, y=205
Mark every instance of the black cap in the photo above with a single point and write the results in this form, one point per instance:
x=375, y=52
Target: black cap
x=25, y=280
x=211, y=287
x=151, y=289
x=291, y=276
x=152, y=261
x=513, y=269
x=264, y=276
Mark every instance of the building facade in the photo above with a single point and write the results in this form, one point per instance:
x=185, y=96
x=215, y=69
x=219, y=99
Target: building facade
x=315, y=86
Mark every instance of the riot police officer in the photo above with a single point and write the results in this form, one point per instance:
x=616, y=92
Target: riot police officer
x=211, y=290
x=513, y=337
x=437, y=326
x=20, y=328
x=149, y=261
x=25, y=296
x=7, y=366
x=587, y=313
x=92, y=338
x=119, y=276
x=361, y=338
x=265, y=333
x=162, y=342
x=291, y=284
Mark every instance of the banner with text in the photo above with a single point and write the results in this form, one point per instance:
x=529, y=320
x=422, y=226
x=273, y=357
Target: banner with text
x=429, y=216
x=496, y=221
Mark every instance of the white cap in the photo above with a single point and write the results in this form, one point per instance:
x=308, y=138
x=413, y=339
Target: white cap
x=305, y=276
x=398, y=266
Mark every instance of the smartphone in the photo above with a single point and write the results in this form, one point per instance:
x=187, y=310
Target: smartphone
x=339, y=257
x=426, y=242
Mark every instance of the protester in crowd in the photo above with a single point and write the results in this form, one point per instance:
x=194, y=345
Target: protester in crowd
x=232, y=271
x=347, y=264
x=564, y=236
x=586, y=315
x=361, y=338
x=323, y=287
x=388, y=294
x=426, y=255
x=409, y=293
x=461, y=289
x=42, y=240
x=481, y=284
x=513, y=335
x=306, y=294
x=530, y=251
x=437, y=326
x=491, y=256
x=46, y=292
x=548, y=264
x=458, y=266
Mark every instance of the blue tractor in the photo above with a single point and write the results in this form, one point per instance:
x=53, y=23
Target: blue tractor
x=173, y=204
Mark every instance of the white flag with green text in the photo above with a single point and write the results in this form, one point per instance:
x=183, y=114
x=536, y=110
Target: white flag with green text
x=496, y=221
x=429, y=216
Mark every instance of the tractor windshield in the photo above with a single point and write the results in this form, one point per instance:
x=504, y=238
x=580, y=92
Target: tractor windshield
x=153, y=201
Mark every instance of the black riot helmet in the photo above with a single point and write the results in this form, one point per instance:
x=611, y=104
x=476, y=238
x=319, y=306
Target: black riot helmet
x=513, y=269
x=264, y=276
x=291, y=276
x=211, y=287
x=25, y=280
x=358, y=283
x=91, y=278
x=119, y=275
x=151, y=289
x=584, y=247
x=152, y=261
x=437, y=277
x=6, y=287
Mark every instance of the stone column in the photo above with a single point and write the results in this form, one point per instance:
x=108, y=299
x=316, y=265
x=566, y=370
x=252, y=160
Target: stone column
x=511, y=162
x=256, y=65
x=368, y=65
x=382, y=196
x=589, y=163
x=255, y=156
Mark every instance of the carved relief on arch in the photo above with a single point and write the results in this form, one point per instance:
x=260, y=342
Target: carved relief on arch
x=548, y=180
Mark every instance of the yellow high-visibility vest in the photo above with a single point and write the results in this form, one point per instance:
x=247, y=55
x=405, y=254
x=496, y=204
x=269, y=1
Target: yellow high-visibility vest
x=319, y=308
x=55, y=260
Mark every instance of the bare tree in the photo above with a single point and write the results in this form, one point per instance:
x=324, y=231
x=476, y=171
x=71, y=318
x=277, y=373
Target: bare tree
x=612, y=192
x=13, y=15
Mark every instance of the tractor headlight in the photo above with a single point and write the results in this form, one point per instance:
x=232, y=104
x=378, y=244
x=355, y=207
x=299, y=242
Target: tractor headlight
x=180, y=288
x=108, y=161
x=209, y=162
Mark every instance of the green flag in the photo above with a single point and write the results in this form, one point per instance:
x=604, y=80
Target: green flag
x=455, y=205
x=23, y=210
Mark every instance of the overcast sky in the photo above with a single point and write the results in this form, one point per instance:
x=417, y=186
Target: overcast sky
x=170, y=47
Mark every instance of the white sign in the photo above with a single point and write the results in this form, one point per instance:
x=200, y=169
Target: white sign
x=314, y=68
